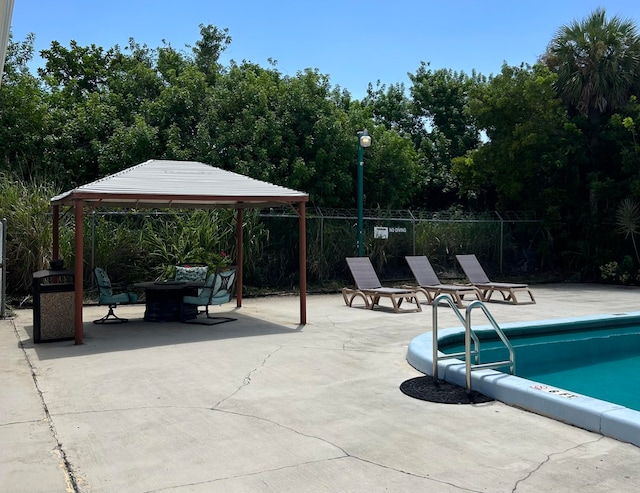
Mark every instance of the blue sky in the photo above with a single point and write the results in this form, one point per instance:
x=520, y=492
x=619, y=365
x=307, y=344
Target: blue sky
x=355, y=43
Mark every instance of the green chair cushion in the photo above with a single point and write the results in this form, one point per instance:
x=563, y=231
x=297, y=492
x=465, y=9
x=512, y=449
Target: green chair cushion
x=118, y=298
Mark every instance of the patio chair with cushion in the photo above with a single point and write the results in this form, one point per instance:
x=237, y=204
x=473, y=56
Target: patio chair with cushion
x=218, y=289
x=478, y=278
x=106, y=296
x=430, y=285
x=368, y=287
x=224, y=292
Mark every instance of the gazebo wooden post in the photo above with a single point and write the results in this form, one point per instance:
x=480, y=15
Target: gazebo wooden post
x=239, y=256
x=55, y=247
x=79, y=261
x=302, y=258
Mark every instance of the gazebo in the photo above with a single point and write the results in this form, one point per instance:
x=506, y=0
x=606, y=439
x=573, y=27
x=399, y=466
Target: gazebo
x=181, y=185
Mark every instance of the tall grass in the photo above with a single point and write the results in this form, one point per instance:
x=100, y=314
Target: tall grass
x=327, y=247
x=202, y=236
x=29, y=231
x=442, y=241
x=256, y=239
x=113, y=242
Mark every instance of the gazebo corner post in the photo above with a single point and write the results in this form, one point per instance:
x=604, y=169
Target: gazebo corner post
x=239, y=256
x=302, y=257
x=78, y=270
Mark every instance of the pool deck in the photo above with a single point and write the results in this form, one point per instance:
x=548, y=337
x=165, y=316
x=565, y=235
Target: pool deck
x=261, y=404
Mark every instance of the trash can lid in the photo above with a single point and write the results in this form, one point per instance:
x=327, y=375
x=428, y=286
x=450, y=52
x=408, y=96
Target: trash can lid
x=48, y=273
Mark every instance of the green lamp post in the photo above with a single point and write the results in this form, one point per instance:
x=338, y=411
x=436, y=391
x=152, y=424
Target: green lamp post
x=364, y=140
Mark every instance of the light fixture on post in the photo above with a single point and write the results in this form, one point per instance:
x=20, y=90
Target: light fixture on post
x=364, y=140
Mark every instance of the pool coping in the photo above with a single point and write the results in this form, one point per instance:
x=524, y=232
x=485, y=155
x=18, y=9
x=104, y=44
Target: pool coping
x=586, y=412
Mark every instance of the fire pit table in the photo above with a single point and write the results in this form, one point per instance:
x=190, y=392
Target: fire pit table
x=163, y=300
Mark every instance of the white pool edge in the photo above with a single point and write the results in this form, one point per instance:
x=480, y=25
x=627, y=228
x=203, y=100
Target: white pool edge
x=576, y=409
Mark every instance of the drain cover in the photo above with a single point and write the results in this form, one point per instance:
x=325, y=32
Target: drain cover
x=424, y=388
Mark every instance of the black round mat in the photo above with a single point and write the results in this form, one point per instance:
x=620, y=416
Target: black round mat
x=443, y=392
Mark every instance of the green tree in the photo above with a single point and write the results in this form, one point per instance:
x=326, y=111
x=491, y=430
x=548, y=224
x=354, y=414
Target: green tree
x=208, y=49
x=80, y=108
x=134, y=87
x=134, y=81
x=24, y=116
x=76, y=71
x=446, y=129
x=392, y=108
x=620, y=136
x=391, y=171
x=529, y=143
x=282, y=129
x=597, y=61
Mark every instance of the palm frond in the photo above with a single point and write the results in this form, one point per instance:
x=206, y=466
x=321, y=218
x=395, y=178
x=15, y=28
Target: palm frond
x=628, y=217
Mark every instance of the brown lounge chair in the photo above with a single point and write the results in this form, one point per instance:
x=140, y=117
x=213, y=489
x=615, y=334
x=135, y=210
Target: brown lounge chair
x=369, y=289
x=430, y=285
x=478, y=278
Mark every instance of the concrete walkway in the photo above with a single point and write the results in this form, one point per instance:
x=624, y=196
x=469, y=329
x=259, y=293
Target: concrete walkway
x=261, y=404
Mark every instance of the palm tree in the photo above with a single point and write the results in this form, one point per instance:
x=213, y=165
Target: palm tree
x=597, y=62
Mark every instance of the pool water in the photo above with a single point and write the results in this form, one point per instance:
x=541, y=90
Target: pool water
x=603, y=363
x=603, y=380
x=584, y=371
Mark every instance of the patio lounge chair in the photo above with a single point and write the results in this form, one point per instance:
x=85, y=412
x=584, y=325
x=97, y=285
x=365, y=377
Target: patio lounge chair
x=107, y=297
x=430, y=285
x=369, y=289
x=478, y=278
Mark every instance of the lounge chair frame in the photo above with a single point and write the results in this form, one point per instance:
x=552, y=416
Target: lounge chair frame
x=430, y=286
x=478, y=278
x=368, y=288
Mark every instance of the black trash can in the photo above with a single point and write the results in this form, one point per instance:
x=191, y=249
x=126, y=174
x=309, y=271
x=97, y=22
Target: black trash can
x=53, y=305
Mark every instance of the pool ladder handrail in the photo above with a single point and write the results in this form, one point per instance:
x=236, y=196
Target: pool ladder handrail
x=470, y=336
x=511, y=362
x=445, y=298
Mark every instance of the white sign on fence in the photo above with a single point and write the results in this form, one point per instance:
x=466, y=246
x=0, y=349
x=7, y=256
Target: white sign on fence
x=380, y=233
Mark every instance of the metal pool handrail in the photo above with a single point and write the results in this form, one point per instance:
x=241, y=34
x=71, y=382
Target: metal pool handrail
x=445, y=298
x=469, y=334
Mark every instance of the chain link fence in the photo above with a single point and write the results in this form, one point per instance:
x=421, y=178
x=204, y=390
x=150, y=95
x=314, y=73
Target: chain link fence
x=507, y=243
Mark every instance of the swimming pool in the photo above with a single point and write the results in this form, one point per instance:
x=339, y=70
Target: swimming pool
x=548, y=352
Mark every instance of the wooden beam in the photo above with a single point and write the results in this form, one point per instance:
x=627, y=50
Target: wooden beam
x=302, y=258
x=79, y=257
x=239, y=256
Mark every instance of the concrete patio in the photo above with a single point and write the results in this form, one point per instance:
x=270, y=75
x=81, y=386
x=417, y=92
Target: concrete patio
x=262, y=404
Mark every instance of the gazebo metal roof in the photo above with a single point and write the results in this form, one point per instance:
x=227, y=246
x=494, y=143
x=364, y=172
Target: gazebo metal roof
x=180, y=184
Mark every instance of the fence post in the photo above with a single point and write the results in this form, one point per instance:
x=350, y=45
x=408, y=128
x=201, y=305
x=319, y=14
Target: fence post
x=501, y=238
x=319, y=212
x=413, y=225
